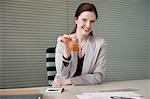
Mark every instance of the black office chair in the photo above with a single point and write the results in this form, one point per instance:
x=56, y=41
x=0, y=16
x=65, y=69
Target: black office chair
x=50, y=64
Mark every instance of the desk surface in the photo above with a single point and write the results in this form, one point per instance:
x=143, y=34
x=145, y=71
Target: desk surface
x=142, y=87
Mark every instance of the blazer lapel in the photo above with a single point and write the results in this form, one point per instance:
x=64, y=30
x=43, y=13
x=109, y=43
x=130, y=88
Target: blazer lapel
x=88, y=55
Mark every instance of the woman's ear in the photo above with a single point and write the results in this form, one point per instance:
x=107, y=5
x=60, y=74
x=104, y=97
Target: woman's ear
x=75, y=20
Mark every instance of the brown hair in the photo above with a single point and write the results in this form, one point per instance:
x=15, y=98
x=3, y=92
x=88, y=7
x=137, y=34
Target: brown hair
x=85, y=7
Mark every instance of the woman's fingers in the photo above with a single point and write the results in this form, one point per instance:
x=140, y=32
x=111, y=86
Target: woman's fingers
x=73, y=39
x=64, y=38
x=68, y=41
x=56, y=83
x=67, y=38
x=59, y=83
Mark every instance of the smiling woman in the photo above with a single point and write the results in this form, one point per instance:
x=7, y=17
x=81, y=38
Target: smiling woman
x=85, y=63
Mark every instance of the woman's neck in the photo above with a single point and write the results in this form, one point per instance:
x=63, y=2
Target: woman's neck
x=82, y=41
x=81, y=38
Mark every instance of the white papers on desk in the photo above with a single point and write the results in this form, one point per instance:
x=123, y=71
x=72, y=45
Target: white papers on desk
x=108, y=95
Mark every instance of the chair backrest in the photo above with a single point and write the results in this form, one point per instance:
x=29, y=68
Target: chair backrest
x=50, y=64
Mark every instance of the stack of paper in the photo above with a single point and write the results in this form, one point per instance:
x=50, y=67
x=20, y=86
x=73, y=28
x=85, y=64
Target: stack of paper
x=110, y=95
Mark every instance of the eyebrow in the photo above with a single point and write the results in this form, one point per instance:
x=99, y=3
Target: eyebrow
x=90, y=20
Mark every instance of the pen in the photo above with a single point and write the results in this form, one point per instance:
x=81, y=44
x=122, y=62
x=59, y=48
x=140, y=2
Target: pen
x=118, y=97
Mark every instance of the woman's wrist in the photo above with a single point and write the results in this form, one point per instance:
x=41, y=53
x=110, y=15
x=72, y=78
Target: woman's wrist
x=68, y=58
x=67, y=53
x=68, y=82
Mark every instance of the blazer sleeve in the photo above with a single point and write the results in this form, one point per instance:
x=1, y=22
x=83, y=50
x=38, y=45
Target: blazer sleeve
x=98, y=73
x=61, y=68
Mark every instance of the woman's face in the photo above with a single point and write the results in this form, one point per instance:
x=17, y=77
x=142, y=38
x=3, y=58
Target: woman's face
x=86, y=22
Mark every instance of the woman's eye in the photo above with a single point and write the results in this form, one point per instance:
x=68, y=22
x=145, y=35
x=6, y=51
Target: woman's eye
x=92, y=21
x=84, y=20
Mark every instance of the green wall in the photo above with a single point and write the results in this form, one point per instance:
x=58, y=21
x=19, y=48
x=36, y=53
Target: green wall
x=149, y=35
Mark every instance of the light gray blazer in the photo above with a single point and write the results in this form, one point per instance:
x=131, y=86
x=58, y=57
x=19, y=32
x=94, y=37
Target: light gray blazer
x=93, y=70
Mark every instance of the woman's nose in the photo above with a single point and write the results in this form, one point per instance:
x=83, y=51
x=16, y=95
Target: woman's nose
x=88, y=24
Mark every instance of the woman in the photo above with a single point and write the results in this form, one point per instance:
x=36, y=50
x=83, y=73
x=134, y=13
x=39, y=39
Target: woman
x=80, y=56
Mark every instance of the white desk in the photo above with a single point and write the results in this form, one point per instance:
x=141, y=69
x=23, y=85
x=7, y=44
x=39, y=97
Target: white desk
x=70, y=92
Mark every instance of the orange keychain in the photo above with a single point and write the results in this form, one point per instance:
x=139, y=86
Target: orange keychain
x=75, y=47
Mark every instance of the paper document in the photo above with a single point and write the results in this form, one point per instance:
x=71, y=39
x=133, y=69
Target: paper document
x=120, y=90
x=110, y=95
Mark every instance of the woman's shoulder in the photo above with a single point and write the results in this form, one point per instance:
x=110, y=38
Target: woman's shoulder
x=98, y=39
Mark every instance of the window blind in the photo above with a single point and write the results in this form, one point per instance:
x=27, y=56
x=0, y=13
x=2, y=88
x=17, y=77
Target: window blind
x=29, y=27
x=149, y=34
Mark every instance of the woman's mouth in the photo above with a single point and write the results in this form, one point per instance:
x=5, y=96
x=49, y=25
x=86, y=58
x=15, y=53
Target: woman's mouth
x=87, y=29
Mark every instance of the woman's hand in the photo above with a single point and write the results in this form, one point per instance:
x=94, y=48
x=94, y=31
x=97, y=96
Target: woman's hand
x=68, y=41
x=59, y=83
